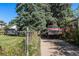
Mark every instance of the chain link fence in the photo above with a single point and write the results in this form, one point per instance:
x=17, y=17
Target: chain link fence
x=19, y=43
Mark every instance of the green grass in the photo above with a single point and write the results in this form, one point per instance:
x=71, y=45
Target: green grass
x=15, y=45
x=11, y=45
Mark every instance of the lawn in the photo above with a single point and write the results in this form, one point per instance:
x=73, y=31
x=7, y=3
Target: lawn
x=15, y=45
x=11, y=45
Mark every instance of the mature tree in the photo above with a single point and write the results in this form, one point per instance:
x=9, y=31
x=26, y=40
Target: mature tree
x=13, y=22
x=32, y=15
x=61, y=12
x=2, y=22
x=36, y=16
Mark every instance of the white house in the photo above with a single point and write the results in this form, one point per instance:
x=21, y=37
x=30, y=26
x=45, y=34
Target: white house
x=2, y=25
x=13, y=27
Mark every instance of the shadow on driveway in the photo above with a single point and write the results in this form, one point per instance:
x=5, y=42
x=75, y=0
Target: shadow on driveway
x=51, y=37
x=62, y=47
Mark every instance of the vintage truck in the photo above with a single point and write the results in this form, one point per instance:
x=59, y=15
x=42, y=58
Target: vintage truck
x=52, y=30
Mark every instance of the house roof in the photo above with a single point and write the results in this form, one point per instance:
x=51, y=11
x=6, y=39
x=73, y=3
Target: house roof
x=13, y=27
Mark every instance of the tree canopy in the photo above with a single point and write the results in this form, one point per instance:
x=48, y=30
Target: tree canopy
x=37, y=15
x=2, y=22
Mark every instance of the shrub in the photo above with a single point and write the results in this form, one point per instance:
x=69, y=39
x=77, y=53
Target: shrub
x=34, y=47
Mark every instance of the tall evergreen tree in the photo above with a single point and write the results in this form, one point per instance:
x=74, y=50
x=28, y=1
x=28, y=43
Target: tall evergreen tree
x=61, y=12
x=36, y=16
x=33, y=15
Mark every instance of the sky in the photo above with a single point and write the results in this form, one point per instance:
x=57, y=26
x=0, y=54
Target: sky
x=8, y=11
x=74, y=6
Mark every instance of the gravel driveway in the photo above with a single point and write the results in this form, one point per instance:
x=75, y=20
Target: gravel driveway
x=57, y=47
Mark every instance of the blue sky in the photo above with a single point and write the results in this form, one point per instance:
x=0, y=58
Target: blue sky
x=8, y=11
x=74, y=6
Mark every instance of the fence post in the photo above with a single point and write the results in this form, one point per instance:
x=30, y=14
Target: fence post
x=26, y=42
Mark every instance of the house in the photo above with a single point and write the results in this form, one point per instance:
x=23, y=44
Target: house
x=12, y=30
x=2, y=25
x=13, y=27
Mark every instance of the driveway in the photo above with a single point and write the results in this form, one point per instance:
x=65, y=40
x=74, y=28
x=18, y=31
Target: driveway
x=57, y=47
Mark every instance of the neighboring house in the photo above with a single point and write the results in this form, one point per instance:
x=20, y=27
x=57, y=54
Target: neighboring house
x=13, y=27
x=2, y=25
x=12, y=30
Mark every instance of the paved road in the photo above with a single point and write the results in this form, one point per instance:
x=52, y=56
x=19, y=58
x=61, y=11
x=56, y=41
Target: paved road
x=56, y=47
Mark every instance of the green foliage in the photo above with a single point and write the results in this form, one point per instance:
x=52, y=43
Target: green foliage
x=38, y=20
x=32, y=15
x=61, y=12
x=34, y=47
x=76, y=12
x=22, y=34
x=2, y=22
x=36, y=16
x=6, y=27
x=13, y=22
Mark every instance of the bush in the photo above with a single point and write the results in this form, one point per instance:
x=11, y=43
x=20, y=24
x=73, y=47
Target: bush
x=2, y=31
x=21, y=33
x=34, y=47
x=72, y=36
